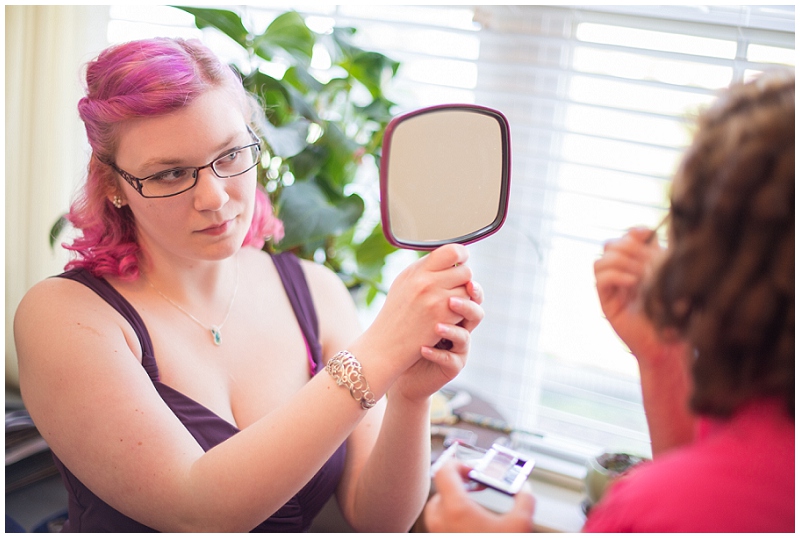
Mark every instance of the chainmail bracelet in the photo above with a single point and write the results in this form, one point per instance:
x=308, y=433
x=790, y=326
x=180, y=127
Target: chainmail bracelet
x=345, y=369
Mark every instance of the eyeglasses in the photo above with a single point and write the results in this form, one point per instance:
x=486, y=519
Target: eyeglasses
x=235, y=162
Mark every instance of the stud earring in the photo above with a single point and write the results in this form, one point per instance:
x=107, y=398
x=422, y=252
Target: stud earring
x=117, y=201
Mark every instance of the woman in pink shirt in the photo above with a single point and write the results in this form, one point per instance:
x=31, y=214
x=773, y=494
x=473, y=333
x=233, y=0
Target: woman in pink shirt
x=711, y=323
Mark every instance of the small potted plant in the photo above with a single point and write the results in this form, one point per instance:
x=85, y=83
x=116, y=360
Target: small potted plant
x=603, y=470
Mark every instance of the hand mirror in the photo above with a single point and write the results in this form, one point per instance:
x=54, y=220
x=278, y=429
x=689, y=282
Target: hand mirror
x=445, y=176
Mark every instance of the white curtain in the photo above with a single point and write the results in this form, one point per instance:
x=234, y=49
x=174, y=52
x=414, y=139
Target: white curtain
x=46, y=151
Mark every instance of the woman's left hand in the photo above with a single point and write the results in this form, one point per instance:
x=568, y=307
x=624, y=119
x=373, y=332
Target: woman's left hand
x=452, y=510
x=437, y=367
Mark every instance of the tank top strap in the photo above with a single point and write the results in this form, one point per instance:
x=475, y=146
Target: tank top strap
x=296, y=286
x=108, y=293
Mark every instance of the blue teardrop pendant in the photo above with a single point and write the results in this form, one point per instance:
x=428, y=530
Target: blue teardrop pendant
x=217, y=335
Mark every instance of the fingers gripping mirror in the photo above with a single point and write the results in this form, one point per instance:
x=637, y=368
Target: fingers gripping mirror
x=445, y=176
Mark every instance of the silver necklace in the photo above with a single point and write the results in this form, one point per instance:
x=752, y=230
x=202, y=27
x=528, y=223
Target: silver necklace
x=216, y=330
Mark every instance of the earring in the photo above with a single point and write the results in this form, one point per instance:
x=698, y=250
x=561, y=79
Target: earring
x=117, y=201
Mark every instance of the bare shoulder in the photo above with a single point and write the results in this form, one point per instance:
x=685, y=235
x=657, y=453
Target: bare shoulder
x=56, y=298
x=320, y=276
x=62, y=318
x=339, y=323
x=327, y=288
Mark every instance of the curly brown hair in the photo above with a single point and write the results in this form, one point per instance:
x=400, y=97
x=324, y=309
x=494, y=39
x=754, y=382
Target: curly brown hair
x=726, y=283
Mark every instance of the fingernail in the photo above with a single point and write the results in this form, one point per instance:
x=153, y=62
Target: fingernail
x=456, y=302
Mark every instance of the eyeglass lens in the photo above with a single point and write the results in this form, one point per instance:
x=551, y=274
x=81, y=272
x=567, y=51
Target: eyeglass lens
x=177, y=180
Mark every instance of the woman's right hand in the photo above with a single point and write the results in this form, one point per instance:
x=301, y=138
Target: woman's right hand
x=663, y=360
x=440, y=365
x=620, y=272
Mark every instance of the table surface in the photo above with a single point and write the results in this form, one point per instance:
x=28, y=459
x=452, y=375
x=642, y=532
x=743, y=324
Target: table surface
x=485, y=436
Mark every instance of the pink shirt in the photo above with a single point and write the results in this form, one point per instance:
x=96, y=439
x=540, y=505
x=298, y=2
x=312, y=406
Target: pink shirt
x=737, y=477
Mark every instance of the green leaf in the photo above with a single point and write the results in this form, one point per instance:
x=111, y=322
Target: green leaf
x=369, y=68
x=309, y=216
x=57, y=229
x=228, y=22
x=341, y=45
x=299, y=78
x=287, y=140
x=379, y=110
x=273, y=96
x=302, y=105
x=308, y=162
x=339, y=167
x=282, y=102
x=289, y=33
x=371, y=254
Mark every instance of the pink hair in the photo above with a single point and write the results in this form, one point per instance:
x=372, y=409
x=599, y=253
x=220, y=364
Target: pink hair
x=265, y=224
x=143, y=78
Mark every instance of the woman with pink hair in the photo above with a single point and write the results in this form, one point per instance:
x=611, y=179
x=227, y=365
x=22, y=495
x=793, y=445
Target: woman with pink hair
x=176, y=369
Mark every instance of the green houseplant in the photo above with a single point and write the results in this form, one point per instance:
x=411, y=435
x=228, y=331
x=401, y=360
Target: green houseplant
x=323, y=123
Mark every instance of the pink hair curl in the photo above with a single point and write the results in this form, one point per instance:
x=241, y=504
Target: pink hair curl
x=151, y=77
x=265, y=224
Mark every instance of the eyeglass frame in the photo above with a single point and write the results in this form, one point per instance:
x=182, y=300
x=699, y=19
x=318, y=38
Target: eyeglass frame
x=136, y=182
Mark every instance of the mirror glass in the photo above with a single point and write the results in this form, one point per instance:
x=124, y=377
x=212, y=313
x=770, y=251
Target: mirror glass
x=445, y=176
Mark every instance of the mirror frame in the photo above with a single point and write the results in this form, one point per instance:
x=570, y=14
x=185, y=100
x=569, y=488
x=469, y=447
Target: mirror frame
x=505, y=186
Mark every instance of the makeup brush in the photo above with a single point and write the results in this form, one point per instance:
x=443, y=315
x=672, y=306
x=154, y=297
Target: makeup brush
x=654, y=233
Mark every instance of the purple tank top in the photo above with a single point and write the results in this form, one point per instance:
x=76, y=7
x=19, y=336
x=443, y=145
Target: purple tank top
x=89, y=513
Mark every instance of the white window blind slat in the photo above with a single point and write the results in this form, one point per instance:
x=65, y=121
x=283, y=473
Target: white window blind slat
x=712, y=19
